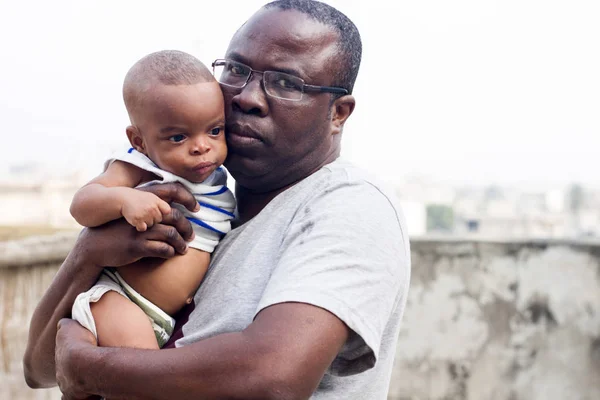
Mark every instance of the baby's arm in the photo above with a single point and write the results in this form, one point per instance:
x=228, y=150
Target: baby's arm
x=111, y=196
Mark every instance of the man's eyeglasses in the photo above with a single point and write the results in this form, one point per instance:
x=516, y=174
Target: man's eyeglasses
x=276, y=84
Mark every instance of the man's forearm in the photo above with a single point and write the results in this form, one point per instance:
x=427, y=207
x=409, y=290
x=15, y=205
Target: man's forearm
x=228, y=366
x=72, y=278
x=281, y=355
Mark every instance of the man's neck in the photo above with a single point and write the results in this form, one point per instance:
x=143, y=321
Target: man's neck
x=250, y=203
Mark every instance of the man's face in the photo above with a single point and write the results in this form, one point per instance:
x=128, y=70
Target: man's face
x=274, y=142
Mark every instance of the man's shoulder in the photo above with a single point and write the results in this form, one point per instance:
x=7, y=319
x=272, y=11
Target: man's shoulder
x=336, y=191
x=344, y=189
x=341, y=174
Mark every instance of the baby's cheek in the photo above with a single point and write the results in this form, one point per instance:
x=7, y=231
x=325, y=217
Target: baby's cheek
x=223, y=151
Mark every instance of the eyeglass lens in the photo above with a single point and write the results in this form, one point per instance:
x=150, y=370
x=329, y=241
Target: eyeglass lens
x=276, y=84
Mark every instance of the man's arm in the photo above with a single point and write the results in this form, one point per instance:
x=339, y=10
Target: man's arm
x=282, y=355
x=72, y=278
x=114, y=244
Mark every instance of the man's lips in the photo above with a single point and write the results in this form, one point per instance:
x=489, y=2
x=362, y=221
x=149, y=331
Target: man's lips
x=242, y=132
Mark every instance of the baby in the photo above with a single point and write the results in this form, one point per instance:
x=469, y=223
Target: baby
x=177, y=134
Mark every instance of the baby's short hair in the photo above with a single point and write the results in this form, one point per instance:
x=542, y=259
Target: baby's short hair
x=167, y=67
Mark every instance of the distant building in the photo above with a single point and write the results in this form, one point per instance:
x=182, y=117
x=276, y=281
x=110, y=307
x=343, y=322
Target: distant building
x=38, y=203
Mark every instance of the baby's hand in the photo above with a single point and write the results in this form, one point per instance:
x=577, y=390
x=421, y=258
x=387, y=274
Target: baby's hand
x=143, y=209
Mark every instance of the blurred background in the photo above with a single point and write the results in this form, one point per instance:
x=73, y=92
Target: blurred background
x=481, y=114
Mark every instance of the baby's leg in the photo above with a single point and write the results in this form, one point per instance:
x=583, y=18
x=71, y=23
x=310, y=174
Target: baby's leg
x=121, y=323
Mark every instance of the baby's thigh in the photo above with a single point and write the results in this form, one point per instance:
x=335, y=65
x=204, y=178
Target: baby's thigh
x=121, y=323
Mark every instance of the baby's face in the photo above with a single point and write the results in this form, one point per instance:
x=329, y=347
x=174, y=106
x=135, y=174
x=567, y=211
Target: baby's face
x=183, y=129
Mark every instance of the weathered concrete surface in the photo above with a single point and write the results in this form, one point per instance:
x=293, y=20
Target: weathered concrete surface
x=500, y=321
x=36, y=250
x=513, y=321
x=21, y=286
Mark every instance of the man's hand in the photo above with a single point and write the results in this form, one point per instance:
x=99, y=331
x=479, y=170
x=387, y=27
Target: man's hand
x=174, y=193
x=116, y=243
x=143, y=210
x=71, y=339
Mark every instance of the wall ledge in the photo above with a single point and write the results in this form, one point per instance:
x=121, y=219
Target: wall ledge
x=36, y=250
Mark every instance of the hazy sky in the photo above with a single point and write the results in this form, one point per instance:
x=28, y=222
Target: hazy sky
x=463, y=90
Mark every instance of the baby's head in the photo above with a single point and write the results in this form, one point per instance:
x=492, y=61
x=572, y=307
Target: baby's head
x=177, y=116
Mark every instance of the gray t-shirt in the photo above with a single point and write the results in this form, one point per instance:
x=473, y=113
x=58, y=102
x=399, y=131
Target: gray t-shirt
x=336, y=240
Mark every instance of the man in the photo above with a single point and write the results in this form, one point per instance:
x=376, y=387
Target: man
x=304, y=298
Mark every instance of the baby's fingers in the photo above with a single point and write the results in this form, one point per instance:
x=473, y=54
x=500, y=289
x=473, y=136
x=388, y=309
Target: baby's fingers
x=154, y=217
x=141, y=226
x=164, y=207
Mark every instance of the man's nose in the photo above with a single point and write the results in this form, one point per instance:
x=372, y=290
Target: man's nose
x=252, y=99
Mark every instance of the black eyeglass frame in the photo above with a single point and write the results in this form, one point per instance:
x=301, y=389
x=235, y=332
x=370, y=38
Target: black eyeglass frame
x=305, y=87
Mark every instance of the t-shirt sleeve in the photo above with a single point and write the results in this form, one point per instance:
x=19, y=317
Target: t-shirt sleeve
x=345, y=252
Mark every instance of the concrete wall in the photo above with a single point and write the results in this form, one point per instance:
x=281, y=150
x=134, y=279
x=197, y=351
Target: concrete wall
x=501, y=321
x=510, y=321
x=26, y=269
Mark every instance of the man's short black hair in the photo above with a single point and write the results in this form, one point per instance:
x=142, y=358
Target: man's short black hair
x=349, y=42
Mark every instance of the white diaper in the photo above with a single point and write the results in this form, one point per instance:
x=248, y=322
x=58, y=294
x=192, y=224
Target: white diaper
x=162, y=323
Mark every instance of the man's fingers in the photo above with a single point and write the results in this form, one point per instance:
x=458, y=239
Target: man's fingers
x=153, y=248
x=72, y=328
x=173, y=192
x=64, y=323
x=176, y=219
x=181, y=195
x=169, y=236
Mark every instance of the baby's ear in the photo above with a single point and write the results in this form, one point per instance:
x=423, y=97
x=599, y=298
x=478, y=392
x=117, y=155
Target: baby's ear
x=135, y=138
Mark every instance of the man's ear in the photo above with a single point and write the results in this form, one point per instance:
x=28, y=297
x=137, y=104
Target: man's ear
x=341, y=109
x=136, y=139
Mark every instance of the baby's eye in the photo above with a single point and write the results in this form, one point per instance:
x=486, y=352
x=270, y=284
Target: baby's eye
x=177, y=138
x=216, y=131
